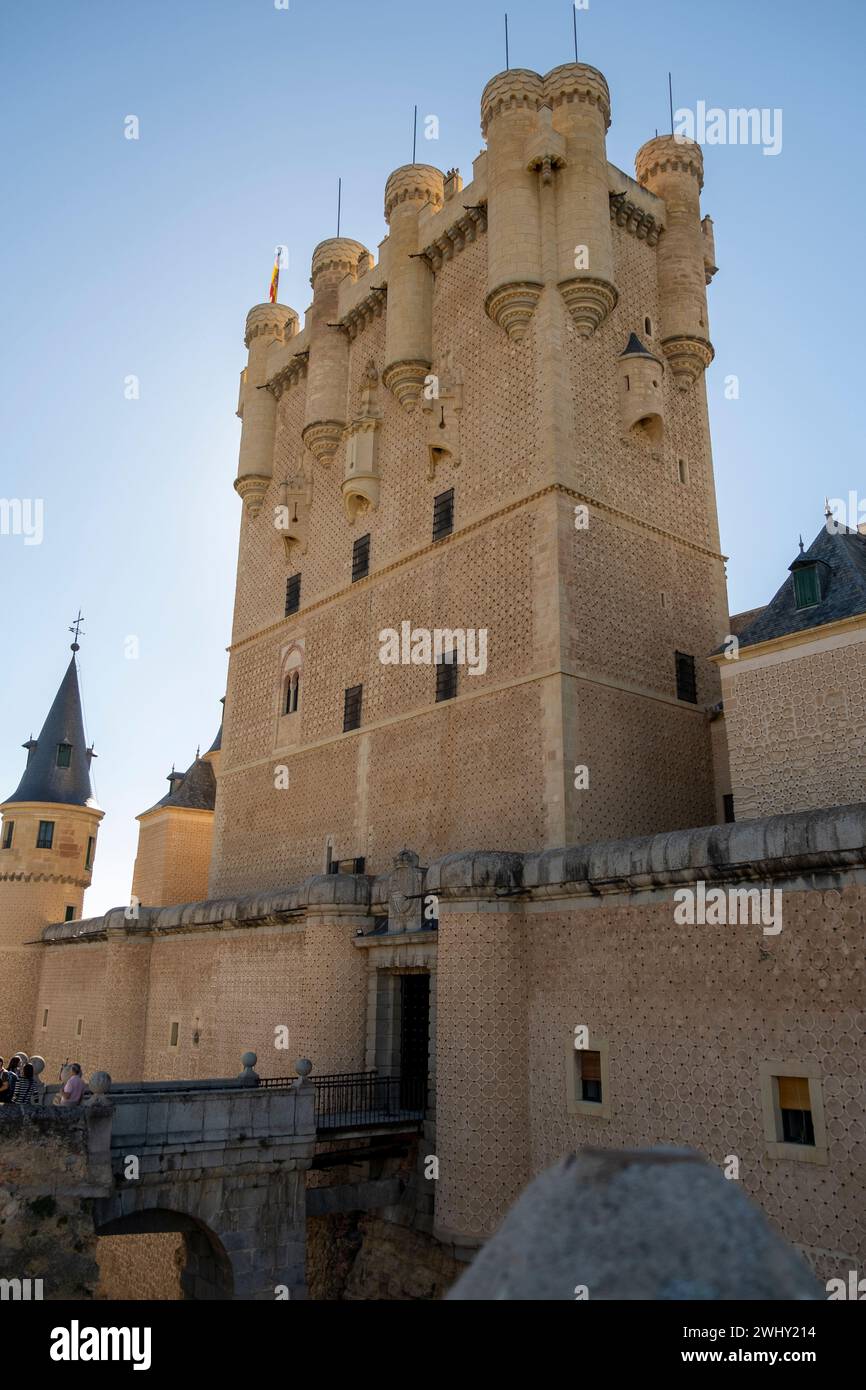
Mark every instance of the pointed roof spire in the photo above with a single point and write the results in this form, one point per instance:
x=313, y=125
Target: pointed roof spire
x=58, y=761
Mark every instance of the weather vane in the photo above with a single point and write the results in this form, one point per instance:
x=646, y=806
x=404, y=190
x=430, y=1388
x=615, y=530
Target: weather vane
x=76, y=631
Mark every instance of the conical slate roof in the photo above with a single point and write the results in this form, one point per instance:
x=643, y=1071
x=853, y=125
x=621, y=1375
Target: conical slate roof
x=195, y=789
x=45, y=779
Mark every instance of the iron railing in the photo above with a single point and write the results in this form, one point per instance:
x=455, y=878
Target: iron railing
x=348, y=1100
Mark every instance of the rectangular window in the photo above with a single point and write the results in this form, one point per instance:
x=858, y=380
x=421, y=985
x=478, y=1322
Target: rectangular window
x=796, y=1109
x=8, y=832
x=293, y=593
x=88, y=858
x=174, y=1033
x=446, y=677
x=687, y=683
x=361, y=558
x=64, y=754
x=807, y=588
x=79, y=1027
x=44, y=1018
x=728, y=801
x=70, y=914
x=45, y=838
x=352, y=708
x=443, y=514
x=590, y=1077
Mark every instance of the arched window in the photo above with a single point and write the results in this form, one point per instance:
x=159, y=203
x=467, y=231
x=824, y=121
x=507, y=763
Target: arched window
x=293, y=683
x=293, y=664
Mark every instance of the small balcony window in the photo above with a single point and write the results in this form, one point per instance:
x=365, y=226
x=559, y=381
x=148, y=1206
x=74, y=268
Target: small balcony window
x=293, y=594
x=361, y=558
x=443, y=514
x=352, y=707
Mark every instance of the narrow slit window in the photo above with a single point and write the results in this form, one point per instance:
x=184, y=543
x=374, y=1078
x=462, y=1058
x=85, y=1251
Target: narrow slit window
x=443, y=514
x=687, y=683
x=88, y=858
x=446, y=677
x=293, y=594
x=361, y=558
x=8, y=832
x=352, y=708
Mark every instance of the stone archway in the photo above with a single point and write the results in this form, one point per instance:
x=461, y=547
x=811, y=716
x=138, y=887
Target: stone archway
x=203, y=1269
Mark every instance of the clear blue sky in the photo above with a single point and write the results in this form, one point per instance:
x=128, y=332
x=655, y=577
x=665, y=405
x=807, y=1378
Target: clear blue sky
x=142, y=257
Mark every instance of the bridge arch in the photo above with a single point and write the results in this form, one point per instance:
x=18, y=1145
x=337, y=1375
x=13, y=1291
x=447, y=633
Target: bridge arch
x=206, y=1272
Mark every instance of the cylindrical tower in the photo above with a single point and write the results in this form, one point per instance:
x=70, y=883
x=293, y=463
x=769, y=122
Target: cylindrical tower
x=673, y=169
x=509, y=123
x=580, y=100
x=47, y=848
x=266, y=324
x=409, y=328
x=328, y=371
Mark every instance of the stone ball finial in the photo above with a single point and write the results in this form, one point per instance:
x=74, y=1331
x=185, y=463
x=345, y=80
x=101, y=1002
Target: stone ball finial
x=100, y=1083
x=249, y=1060
x=38, y=1065
x=303, y=1067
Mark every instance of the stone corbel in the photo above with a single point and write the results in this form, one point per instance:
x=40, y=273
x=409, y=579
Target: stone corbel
x=360, y=485
x=545, y=151
x=292, y=512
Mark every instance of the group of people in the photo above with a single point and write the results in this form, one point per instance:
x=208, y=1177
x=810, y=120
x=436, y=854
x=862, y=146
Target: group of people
x=19, y=1083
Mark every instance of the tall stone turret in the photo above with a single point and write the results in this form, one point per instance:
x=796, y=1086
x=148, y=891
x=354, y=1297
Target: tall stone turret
x=48, y=839
x=409, y=330
x=509, y=123
x=673, y=169
x=266, y=324
x=328, y=372
x=580, y=100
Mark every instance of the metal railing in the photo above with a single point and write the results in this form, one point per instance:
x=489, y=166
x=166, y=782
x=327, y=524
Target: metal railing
x=348, y=1100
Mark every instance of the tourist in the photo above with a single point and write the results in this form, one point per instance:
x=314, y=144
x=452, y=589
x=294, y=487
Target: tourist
x=25, y=1089
x=10, y=1076
x=7, y=1085
x=73, y=1089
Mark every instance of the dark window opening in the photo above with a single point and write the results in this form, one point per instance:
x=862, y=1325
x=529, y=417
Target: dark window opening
x=45, y=837
x=687, y=681
x=446, y=677
x=443, y=514
x=70, y=914
x=796, y=1106
x=361, y=558
x=352, y=708
x=648, y=326
x=64, y=754
x=293, y=687
x=8, y=832
x=807, y=586
x=590, y=1076
x=728, y=802
x=88, y=858
x=293, y=593
x=414, y=1040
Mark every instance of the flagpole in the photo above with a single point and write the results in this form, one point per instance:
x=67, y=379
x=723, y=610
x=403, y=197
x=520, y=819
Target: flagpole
x=339, y=202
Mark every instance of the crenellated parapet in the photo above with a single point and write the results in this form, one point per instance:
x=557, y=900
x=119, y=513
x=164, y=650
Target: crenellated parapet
x=409, y=331
x=673, y=169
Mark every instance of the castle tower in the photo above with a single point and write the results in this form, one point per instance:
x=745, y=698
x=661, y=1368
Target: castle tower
x=174, y=836
x=512, y=462
x=48, y=839
x=673, y=169
x=267, y=324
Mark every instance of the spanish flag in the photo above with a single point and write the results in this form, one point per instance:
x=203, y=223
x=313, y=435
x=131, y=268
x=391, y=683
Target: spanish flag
x=275, y=277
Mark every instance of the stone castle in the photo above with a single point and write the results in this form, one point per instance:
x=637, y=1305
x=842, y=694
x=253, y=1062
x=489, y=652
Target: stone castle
x=480, y=695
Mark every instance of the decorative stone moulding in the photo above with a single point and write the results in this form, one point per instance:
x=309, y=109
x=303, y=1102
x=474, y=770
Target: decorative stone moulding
x=512, y=306
x=323, y=439
x=669, y=154
x=577, y=82
x=545, y=150
x=638, y=223
x=273, y=320
x=589, y=301
x=251, y=489
x=442, y=405
x=414, y=183
x=509, y=91
x=405, y=380
x=291, y=522
x=689, y=357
